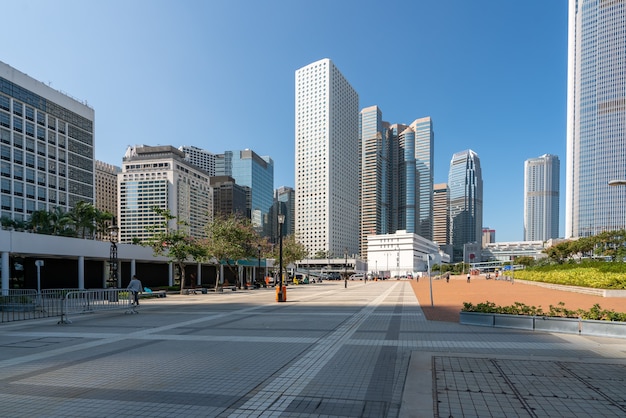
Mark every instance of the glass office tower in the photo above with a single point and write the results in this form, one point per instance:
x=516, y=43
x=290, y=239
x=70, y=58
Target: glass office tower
x=541, y=198
x=424, y=159
x=596, y=117
x=255, y=172
x=465, y=183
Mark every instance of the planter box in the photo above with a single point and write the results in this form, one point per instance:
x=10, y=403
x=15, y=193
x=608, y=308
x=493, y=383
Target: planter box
x=587, y=327
x=476, y=318
x=551, y=324
x=604, y=328
x=514, y=321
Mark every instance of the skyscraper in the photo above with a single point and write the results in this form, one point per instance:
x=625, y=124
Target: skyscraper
x=255, y=172
x=375, y=215
x=46, y=147
x=441, y=214
x=424, y=158
x=541, y=198
x=396, y=176
x=596, y=117
x=327, y=166
x=465, y=183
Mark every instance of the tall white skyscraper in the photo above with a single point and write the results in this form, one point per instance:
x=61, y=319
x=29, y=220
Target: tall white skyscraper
x=596, y=117
x=541, y=198
x=327, y=168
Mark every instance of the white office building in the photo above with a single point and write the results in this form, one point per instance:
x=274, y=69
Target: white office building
x=160, y=176
x=541, y=198
x=596, y=117
x=327, y=166
x=46, y=147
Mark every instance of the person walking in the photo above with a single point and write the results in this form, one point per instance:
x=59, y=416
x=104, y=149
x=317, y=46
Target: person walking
x=469, y=276
x=135, y=287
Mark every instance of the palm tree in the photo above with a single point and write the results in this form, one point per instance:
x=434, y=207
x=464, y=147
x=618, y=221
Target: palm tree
x=83, y=217
x=40, y=222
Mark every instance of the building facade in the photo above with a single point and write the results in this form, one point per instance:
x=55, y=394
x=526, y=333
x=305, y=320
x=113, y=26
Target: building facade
x=327, y=166
x=106, y=187
x=46, y=147
x=541, y=198
x=466, y=201
x=228, y=197
x=424, y=163
x=374, y=211
x=596, y=117
x=441, y=214
x=396, y=176
x=160, y=176
x=200, y=158
x=257, y=174
x=489, y=236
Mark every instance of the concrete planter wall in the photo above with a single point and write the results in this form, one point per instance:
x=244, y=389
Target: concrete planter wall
x=514, y=321
x=551, y=324
x=546, y=324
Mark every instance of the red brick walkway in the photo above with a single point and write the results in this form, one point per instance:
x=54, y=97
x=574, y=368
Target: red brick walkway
x=448, y=298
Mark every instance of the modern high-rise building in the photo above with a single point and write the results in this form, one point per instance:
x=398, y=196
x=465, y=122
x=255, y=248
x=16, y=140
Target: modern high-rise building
x=375, y=197
x=596, y=117
x=255, y=172
x=441, y=214
x=46, y=147
x=465, y=183
x=327, y=166
x=396, y=176
x=424, y=159
x=200, y=158
x=228, y=197
x=541, y=198
x=160, y=176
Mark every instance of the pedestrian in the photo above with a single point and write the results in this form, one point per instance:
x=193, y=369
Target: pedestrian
x=468, y=277
x=135, y=287
x=448, y=277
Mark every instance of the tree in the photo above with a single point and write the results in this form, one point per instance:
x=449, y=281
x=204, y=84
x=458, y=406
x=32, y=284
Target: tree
x=83, y=219
x=292, y=251
x=231, y=238
x=175, y=243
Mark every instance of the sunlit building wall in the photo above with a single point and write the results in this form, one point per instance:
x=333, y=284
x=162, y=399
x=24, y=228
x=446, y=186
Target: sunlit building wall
x=327, y=166
x=596, y=117
x=541, y=198
x=466, y=201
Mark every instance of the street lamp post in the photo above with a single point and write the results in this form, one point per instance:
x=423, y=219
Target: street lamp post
x=280, y=297
x=345, y=269
x=113, y=261
x=258, y=282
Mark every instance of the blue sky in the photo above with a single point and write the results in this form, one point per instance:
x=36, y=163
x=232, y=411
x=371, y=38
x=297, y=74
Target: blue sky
x=219, y=74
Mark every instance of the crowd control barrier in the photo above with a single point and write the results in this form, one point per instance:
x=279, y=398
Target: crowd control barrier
x=23, y=304
x=95, y=300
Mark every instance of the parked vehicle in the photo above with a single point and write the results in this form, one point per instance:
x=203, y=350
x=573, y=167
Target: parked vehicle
x=357, y=276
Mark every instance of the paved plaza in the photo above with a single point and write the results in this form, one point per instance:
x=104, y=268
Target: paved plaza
x=362, y=351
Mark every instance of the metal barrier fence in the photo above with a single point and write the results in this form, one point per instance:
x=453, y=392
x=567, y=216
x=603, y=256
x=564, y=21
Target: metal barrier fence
x=23, y=304
x=95, y=300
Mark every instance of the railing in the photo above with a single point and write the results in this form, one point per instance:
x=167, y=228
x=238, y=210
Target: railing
x=23, y=304
x=96, y=300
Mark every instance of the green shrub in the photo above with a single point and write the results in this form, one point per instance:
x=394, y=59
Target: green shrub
x=560, y=311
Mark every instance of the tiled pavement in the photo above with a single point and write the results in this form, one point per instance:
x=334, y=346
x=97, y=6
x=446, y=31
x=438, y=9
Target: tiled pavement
x=362, y=351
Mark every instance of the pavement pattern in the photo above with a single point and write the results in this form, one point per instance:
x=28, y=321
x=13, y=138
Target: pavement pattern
x=328, y=351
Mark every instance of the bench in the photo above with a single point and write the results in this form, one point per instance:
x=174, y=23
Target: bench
x=153, y=294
